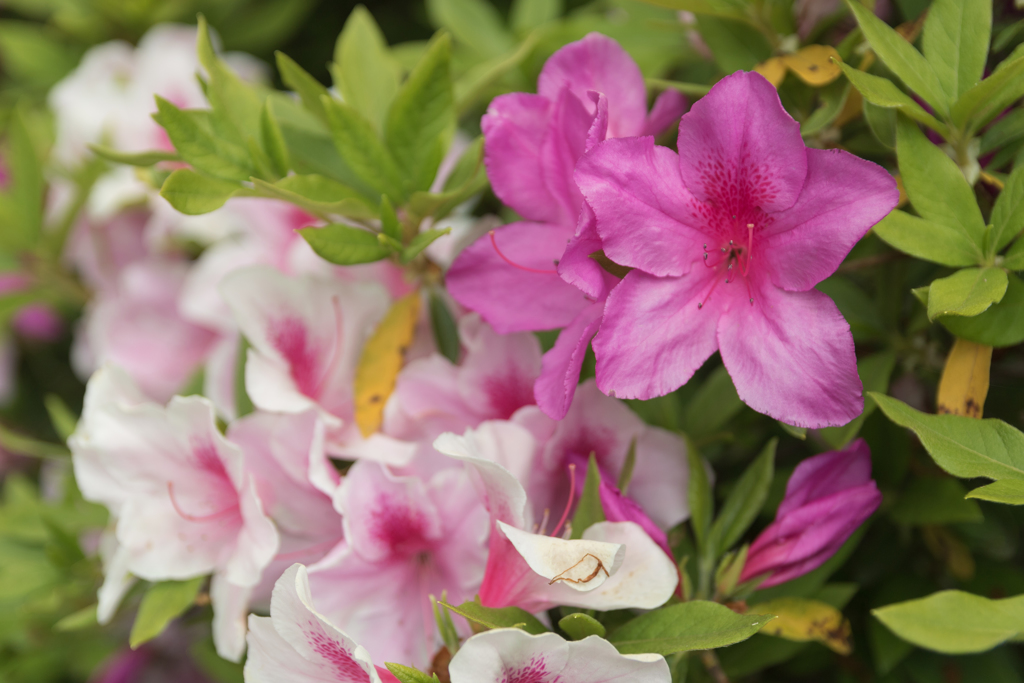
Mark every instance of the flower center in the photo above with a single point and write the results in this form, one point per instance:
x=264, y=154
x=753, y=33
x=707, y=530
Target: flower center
x=732, y=256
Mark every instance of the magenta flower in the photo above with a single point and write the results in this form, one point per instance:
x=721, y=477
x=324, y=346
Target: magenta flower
x=827, y=498
x=536, y=274
x=727, y=240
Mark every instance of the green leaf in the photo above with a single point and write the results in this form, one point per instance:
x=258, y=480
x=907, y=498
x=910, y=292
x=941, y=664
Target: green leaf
x=362, y=150
x=967, y=292
x=882, y=92
x=243, y=403
x=273, y=142
x=934, y=501
x=954, y=622
x=1000, y=326
x=63, y=420
x=133, y=159
x=699, y=496
x=233, y=101
x=833, y=98
x=626, y=474
x=194, y=194
x=589, y=510
x=36, y=54
x=308, y=88
x=193, y=136
x=745, y=501
x=474, y=23
x=364, y=71
x=446, y=332
x=421, y=242
x=1008, y=212
x=1014, y=257
x=318, y=194
x=527, y=15
x=963, y=446
x=736, y=46
x=1006, y=491
x=579, y=625
x=162, y=603
x=687, y=626
x=26, y=186
x=935, y=242
x=988, y=99
x=793, y=431
x=935, y=185
x=882, y=122
x=421, y=120
x=345, y=246
x=955, y=42
x=714, y=404
x=499, y=617
x=901, y=57
x=309, y=143
x=874, y=371
x=407, y=674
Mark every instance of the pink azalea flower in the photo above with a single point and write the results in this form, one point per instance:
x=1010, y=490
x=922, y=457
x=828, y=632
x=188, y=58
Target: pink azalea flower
x=727, y=240
x=615, y=565
x=182, y=499
x=298, y=644
x=523, y=276
x=509, y=654
x=406, y=538
x=306, y=336
x=827, y=498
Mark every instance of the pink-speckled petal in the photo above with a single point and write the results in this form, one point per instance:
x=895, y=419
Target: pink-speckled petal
x=646, y=218
x=507, y=655
x=598, y=63
x=843, y=197
x=791, y=356
x=509, y=278
x=654, y=336
x=560, y=370
x=738, y=148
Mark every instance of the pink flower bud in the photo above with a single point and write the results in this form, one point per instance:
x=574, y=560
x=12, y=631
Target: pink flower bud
x=827, y=498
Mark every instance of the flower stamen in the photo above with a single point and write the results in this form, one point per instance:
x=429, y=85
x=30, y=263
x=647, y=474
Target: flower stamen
x=512, y=263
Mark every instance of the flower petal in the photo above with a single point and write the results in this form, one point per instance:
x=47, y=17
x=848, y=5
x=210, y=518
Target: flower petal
x=738, y=148
x=826, y=474
x=791, y=356
x=582, y=565
x=843, y=197
x=667, y=109
x=560, y=371
x=654, y=336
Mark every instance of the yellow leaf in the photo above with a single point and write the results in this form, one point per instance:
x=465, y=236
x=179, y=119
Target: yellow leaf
x=382, y=359
x=801, y=619
x=964, y=383
x=814, y=65
x=774, y=70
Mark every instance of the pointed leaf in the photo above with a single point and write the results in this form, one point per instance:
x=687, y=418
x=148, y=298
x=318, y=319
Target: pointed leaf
x=589, y=510
x=882, y=92
x=499, y=617
x=955, y=42
x=935, y=242
x=344, y=245
x=745, y=500
x=967, y=292
x=134, y=159
x=1006, y=491
x=421, y=242
x=194, y=194
x=364, y=71
x=446, y=332
x=474, y=23
x=578, y=626
x=161, y=604
x=954, y=622
x=362, y=150
x=694, y=625
x=305, y=86
x=992, y=96
x=1001, y=325
x=194, y=137
x=803, y=619
x=1008, y=212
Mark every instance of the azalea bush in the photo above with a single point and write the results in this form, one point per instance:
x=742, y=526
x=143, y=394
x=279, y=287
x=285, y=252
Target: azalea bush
x=537, y=341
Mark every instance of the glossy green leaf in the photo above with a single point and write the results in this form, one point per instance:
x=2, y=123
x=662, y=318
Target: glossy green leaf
x=992, y=96
x=233, y=100
x=422, y=118
x=421, y=242
x=699, y=496
x=273, y=142
x=446, y=332
x=882, y=92
x=589, y=510
x=133, y=159
x=408, y=674
x=955, y=42
x=193, y=135
x=318, y=195
x=967, y=292
x=578, y=626
x=499, y=617
x=687, y=626
x=935, y=242
x=935, y=185
x=902, y=58
x=194, y=194
x=344, y=245
x=963, y=446
x=526, y=15
x=1000, y=326
x=875, y=371
x=305, y=86
x=934, y=501
x=162, y=603
x=1008, y=212
x=1006, y=491
x=365, y=73
x=474, y=23
x=745, y=501
x=362, y=150
x=954, y=622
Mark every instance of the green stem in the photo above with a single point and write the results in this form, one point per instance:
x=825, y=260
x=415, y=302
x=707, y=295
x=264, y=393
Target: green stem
x=34, y=448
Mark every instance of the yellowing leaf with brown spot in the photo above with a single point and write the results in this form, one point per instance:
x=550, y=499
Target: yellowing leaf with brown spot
x=814, y=65
x=964, y=383
x=381, y=360
x=774, y=70
x=801, y=619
